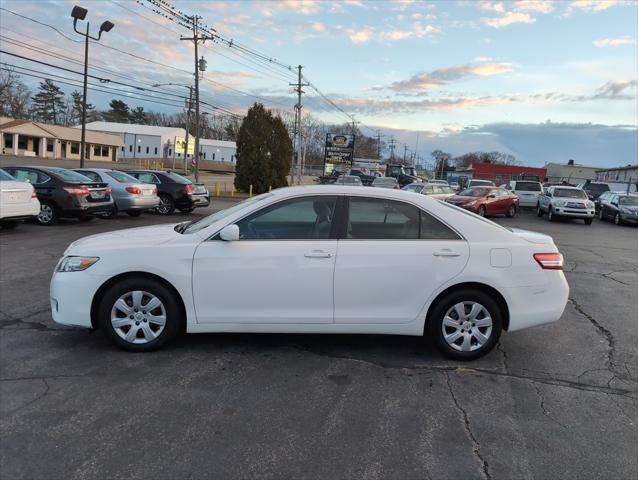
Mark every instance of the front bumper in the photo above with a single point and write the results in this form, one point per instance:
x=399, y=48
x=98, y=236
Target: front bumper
x=629, y=218
x=71, y=295
x=574, y=213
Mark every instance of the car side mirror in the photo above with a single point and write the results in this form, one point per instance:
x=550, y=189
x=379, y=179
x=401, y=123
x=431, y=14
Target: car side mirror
x=491, y=196
x=230, y=233
x=615, y=204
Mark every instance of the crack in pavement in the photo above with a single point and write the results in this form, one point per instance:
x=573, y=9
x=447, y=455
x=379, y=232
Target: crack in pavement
x=39, y=397
x=478, y=371
x=545, y=412
x=476, y=446
x=30, y=325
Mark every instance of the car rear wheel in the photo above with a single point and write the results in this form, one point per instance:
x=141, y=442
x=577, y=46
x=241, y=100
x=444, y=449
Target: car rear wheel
x=48, y=214
x=110, y=215
x=166, y=205
x=511, y=211
x=465, y=324
x=601, y=216
x=139, y=314
x=481, y=211
x=539, y=211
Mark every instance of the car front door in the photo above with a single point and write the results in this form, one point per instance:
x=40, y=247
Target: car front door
x=280, y=271
x=393, y=257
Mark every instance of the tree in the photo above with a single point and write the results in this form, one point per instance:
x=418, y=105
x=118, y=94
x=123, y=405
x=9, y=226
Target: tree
x=48, y=102
x=442, y=162
x=264, y=151
x=138, y=115
x=74, y=110
x=119, y=112
x=14, y=95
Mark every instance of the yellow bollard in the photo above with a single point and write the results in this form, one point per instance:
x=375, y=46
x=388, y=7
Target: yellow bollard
x=232, y=190
x=224, y=187
x=269, y=188
x=217, y=189
x=250, y=190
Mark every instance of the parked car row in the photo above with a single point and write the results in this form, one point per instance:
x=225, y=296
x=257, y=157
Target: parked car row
x=50, y=193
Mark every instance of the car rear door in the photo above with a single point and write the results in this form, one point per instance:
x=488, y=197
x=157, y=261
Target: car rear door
x=280, y=271
x=392, y=257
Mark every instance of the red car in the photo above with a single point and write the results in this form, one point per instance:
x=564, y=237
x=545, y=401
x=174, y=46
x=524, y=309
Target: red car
x=486, y=201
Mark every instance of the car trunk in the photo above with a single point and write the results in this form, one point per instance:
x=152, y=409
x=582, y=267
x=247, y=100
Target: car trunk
x=15, y=192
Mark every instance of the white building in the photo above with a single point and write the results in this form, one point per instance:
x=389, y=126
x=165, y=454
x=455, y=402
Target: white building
x=218, y=150
x=147, y=141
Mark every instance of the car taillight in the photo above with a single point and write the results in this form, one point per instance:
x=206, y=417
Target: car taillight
x=77, y=190
x=154, y=190
x=134, y=190
x=108, y=190
x=33, y=194
x=549, y=261
x=189, y=190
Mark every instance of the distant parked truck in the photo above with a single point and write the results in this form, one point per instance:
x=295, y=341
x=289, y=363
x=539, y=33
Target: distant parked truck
x=404, y=175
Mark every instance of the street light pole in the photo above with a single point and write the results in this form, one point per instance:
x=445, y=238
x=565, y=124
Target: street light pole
x=79, y=13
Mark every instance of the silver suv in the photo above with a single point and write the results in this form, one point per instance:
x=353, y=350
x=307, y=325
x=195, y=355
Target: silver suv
x=568, y=202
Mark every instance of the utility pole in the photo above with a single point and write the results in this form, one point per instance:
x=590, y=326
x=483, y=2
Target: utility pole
x=297, y=156
x=200, y=65
x=188, y=123
x=416, y=148
x=392, y=145
x=378, y=144
x=405, y=152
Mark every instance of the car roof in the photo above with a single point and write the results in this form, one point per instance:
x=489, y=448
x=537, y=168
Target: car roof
x=567, y=187
x=343, y=190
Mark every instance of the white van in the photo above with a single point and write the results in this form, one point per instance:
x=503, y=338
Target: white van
x=527, y=191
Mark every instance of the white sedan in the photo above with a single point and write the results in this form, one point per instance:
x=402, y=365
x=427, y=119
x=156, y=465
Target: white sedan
x=309, y=260
x=18, y=201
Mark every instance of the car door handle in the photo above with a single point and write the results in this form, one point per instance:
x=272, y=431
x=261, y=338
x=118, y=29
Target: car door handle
x=446, y=253
x=318, y=254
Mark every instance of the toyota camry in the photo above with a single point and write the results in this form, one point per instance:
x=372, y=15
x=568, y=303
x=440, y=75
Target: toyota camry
x=314, y=260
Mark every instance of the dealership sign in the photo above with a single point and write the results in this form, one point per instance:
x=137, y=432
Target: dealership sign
x=339, y=149
x=180, y=146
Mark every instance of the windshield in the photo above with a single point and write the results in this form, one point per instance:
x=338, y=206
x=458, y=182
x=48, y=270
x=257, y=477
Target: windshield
x=177, y=177
x=5, y=176
x=480, y=182
x=597, y=188
x=384, y=181
x=413, y=187
x=70, y=175
x=528, y=186
x=409, y=171
x=569, y=193
x=474, y=192
x=628, y=201
x=122, y=177
x=207, y=221
x=474, y=215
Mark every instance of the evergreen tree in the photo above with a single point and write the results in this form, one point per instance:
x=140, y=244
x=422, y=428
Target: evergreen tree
x=138, y=116
x=75, y=116
x=119, y=112
x=48, y=103
x=264, y=151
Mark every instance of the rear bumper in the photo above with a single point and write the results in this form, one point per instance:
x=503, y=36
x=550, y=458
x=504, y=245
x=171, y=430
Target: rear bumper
x=20, y=211
x=137, y=203
x=531, y=306
x=201, y=200
x=88, y=210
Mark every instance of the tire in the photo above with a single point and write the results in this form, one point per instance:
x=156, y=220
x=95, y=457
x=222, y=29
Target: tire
x=167, y=205
x=187, y=210
x=511, y=211
x=550, y=215
x=112, y=214
x=588, y=221
x=617, y=219
x=446, y=309
x=134, y=213
x=149, y=333
x=601, y=216
x=481, y=211
x=48, y=214
x=539, y=211
x=9, y=224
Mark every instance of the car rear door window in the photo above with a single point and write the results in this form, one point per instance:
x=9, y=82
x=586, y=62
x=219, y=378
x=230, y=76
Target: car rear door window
x=23, y=175
x=92, y=175
x=145, y=177
x=381, y=219
x=298, y=219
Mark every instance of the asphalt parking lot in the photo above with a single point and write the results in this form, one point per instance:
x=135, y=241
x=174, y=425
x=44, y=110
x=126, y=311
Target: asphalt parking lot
x=555, y=401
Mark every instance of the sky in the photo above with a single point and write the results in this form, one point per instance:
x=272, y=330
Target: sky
x=542, y=80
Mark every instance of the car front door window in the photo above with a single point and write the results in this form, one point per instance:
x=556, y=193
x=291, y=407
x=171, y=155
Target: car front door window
x=298, y=219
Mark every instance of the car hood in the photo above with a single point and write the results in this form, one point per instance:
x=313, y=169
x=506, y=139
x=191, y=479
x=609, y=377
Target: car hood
x=533, y=237
x=130, y=237
x=461, y=199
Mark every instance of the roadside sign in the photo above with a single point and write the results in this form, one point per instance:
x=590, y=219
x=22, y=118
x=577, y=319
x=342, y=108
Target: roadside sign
x=339, y=150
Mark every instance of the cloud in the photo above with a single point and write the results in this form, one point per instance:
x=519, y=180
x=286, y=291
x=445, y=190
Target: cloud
x=510, y=18
x=614, y=90
x=492, y=7
x=594, y=6
x=395, y=35
x=443, y=76
x=538, y=6
x=319, y=27
x=306, y=7
x=614, y=42
x=361, y=35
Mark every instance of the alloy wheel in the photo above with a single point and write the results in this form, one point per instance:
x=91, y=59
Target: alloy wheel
x=164, y=206
x=617, y=219
x=467, y=326
x=46, y=213
x=600, y=215
x=481, y=211
x=138, y=317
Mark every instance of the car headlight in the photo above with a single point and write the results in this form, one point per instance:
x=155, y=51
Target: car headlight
x=624, y=210
x=590, y=204
x=560, y=203
x=75, y=264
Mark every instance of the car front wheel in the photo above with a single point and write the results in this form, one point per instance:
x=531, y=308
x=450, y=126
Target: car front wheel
x=139, y=314
x=601, y=216
x=617, y=219
x=511, y=211
x=465, y=325
x=588, y=221
x=481, y=211
x=539, y=211
x=550, y=215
